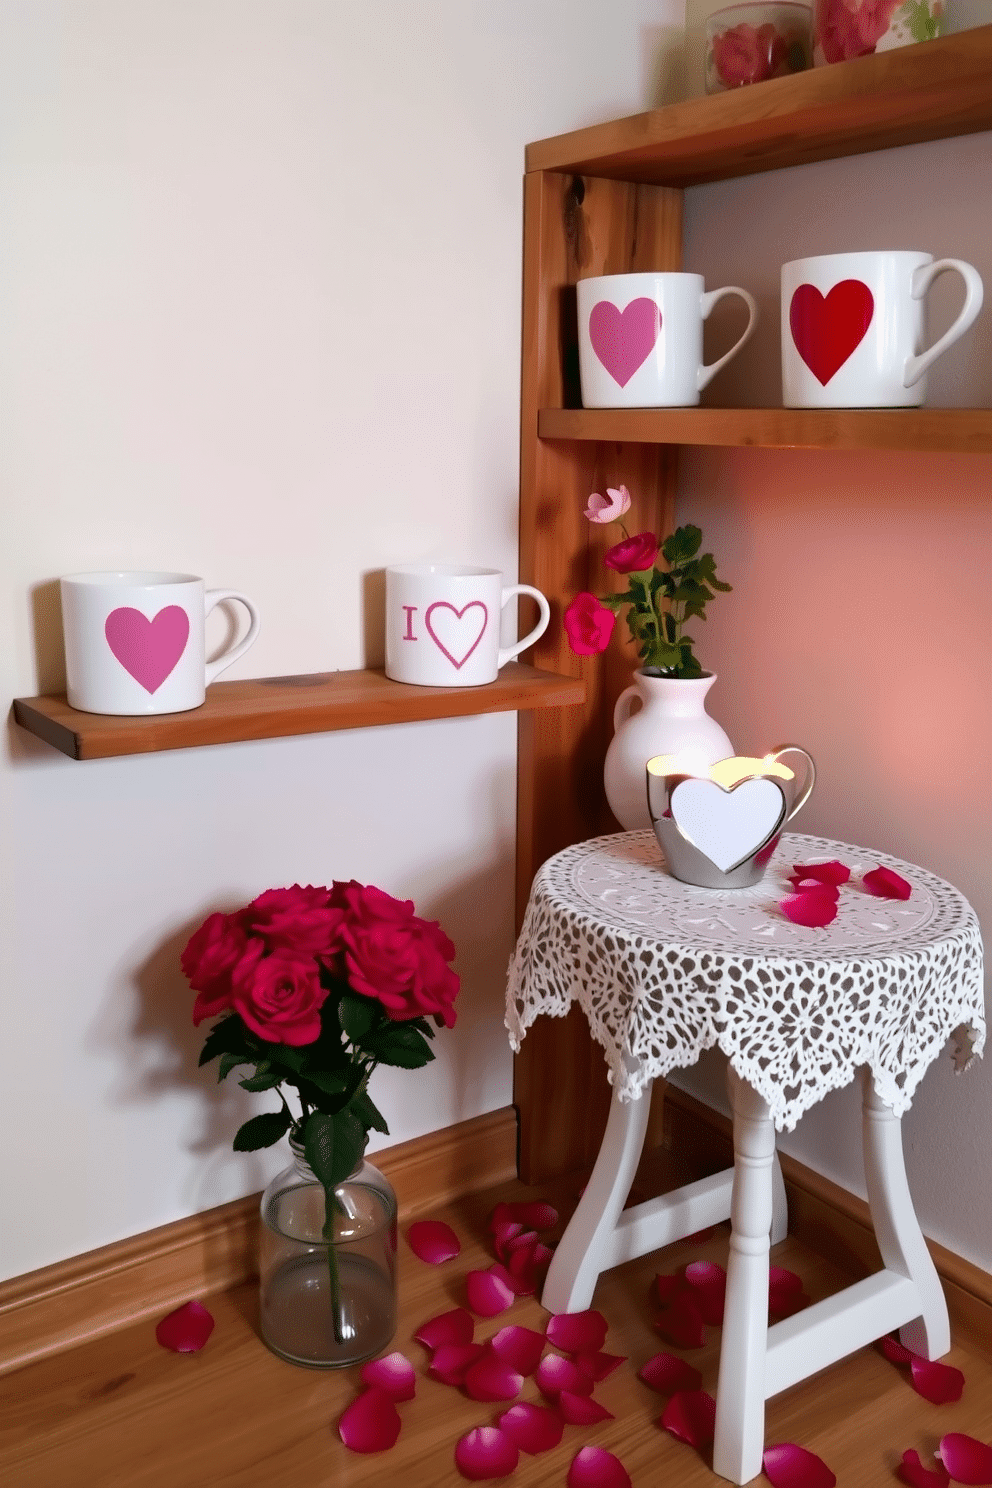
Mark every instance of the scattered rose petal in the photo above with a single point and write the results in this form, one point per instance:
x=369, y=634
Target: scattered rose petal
x=597, y=1366
x=582, y=1410
x=186, y=1330
x=594, y=1467
x=523, y=1240
x=690, y=1416
x=814, y=908
x=486, y=1452
x=490, y=1379
x=666, y=1287
x=682, y=1322
x=781, y=1280
x=489, y=1292
x=789, y=1466
x=814, y=886
x=555, y=1374
x=433, y=1241
x=967, y=1460
x=885, y=884
x=666, y=1374
x=578, y=1332
x=936, y=1382
x=827, y=873
x=394, y=1375
x=894, y=1351
x=785, y=1293
x=709, y=1285
x=503, y=1233
x=535, y=1215
x=521, y=1348
x=457, y=1326
x=533, y=1428
x=371, y=1423
x=452, y=1361
x=912, y=1471
x=522, y=1267
x=500, y=1215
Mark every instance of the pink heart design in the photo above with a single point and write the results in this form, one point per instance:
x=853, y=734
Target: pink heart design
x=827, y=329
x=148, y=649
x=453, y=631
x=623, y=340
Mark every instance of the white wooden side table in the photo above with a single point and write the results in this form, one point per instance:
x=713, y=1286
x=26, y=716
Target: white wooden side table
x=664, y=970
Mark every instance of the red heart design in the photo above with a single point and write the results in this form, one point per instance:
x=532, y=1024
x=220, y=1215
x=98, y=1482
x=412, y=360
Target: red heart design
x=454, y=631
x=148, y=649
x=623, y=339
x=827, y=330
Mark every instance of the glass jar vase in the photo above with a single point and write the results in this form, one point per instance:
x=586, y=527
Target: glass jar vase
x=327, y=1303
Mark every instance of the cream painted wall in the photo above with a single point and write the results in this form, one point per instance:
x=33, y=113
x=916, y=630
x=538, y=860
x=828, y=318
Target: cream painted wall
x=861, y=617
x=260, y=321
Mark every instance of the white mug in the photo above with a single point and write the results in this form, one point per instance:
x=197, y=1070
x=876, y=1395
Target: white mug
x=443, y=621
x=134, y=642
x=854, y=324
x=641, y=339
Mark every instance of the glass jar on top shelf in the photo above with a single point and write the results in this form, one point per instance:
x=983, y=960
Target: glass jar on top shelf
x=754, y=41
x=843, y=29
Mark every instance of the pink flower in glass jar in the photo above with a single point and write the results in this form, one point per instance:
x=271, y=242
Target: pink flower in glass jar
x=743, y=54
x=852, y=28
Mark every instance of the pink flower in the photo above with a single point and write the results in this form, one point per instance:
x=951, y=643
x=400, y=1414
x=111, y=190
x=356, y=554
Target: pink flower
x=633, y=555
x=210, y=956
x=608, y=508
x=744, y=55
x=393, y=955
x=279, y=996
x=852, y=28
x=296, y=919
x=588, y=625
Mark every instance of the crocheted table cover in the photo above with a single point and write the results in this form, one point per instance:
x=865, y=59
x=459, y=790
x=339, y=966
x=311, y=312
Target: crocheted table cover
x=664, y=970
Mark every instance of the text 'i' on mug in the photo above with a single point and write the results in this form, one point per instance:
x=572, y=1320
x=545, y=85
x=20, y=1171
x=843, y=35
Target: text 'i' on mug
x=135, y=641
x=854, y=327
x=443, y=624
x=641, y=338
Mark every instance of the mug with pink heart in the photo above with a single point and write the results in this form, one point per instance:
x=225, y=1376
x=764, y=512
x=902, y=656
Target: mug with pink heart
x=135, y=644
x=641, y=338
x=854, y=327
x=443, y=623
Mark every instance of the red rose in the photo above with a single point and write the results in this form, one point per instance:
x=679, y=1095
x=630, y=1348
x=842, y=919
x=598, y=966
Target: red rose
x=633, y=555
x=396, y=957
x=588, y=625
x=296, y=919
x=210, y=956
x=738, y=57
x=279, y=996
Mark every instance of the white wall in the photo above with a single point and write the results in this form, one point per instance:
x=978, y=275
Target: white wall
x=260, y=321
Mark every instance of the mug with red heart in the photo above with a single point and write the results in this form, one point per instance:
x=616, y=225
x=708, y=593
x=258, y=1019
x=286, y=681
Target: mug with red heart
x=641, y=339
x=854, y=327
x=135, y=644
x=443, y=623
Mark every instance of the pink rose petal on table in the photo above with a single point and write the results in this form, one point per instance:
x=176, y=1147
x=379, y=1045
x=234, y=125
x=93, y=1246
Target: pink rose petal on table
x=433, y=1241
x=682, y=1322
x=666, y=1374
x=394, y=1375
x=813, y=908
x=789, y=1466
x=489, y=1292
x=555, y=1374
x=967, y=1460
x=594, y=1467
x=577, y=1332
x=371, y=1423
x=828, y=873
x=456, y=1326
x=486, y=1452
x=452, y=1361
x=936, y=1382
x=521, y=1348
x=186, y=1330
x=597, y=1365
x=582, y=1410
x=690, y=1416
x=490, y=1379
x=894, y=1351
x=814, y=886
x=885, y=884
x=533, y=1428
x=912, y=1471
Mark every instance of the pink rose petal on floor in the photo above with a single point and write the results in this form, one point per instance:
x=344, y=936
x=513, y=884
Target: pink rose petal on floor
x=894, y=1351
x=789, y=1466
x=967, y=1460
x=394, y=1375
x=827, y=873
x=582, y=1410
x=936, y=1382
x=535, y=1215
x=682, y=1322
x=912, y=1471
x=489, y=1292
x=785, y=1293
x=371, y=1423
x=597, y=1366
x=885, y=884
x=490, y=1379
x=486, y=1452
x=433, y=1241
x=521, y=1348
x=709, y=1286
x=666, y=1373
x=666, y=1287
x=578, y=1332
x=452, y=1361
x=456, y=1326
x=186, y=1330
x=500, y=1215
x=594, y=1467
x=533, y=1428
x=503, y=1233
x=555, y=1374
x=690, y=1416
x=813, y=908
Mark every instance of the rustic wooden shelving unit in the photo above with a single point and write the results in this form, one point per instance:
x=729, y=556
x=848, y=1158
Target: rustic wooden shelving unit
x=608, y=200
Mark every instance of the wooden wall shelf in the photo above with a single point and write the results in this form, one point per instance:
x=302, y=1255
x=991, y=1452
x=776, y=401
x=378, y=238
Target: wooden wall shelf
x=954, y=430
x=278, y=707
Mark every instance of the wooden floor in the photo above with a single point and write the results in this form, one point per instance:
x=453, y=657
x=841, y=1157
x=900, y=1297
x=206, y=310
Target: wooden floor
x=122, y=1412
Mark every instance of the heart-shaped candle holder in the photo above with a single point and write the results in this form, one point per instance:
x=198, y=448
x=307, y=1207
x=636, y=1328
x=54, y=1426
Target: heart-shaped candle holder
x=718, y=825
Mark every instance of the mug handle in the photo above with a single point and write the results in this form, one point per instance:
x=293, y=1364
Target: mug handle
x=705, y=375
x=212, y=598
x=810, y=775
x=923, y=277
x=507, y=653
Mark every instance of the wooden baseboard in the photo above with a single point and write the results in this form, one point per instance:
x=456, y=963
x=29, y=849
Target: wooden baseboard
x=145, y=1276
x=825, y=1216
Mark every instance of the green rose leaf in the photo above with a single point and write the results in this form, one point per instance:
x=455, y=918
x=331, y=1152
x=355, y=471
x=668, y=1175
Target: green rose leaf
x=229, y=1037
x=229, y=1062
x=368, y=1112
x=262, y=1131
x=682, y=544
x=262, y=1080
x=400, y=1045
x=358, y=1015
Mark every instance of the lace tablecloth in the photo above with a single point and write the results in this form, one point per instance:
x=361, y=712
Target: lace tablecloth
x=664, y=970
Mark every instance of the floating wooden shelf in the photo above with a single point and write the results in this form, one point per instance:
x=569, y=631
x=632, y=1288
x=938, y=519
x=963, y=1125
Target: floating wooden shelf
x=961, y=430
x=913, y=93
x=277, y=707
